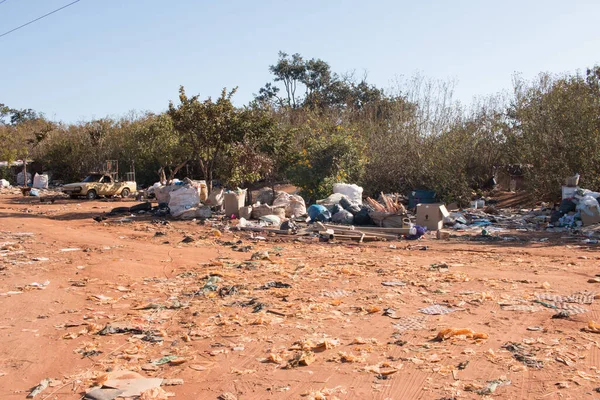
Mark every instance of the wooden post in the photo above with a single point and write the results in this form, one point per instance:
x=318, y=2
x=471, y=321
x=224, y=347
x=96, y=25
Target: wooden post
x=25, y=172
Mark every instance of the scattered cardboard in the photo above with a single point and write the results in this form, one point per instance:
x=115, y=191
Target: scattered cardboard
x=431, y=216
x=590, y=216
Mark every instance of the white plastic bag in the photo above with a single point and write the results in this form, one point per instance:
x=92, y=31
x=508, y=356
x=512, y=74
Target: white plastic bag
x=183, y=199
x=270, y=220
x=20, y=178
x=4, y=183
x=40, y=181
x=294, y=205
x=260, y=210
x=200, y=212
x=215, y=198
x=163, y=193
x=351, y=191
x=331, y=201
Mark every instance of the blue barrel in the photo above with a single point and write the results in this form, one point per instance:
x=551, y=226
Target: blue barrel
x=421, y=197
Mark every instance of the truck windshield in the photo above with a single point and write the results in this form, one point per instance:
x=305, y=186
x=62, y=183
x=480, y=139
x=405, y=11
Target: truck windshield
x=92, y=178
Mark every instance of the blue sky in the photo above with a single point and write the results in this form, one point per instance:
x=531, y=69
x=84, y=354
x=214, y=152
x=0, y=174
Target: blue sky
x=99, y=58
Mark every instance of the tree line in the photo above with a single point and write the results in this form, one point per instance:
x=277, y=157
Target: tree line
x=313, y=127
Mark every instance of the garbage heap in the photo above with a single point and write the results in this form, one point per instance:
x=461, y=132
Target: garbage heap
x=182, y=199
x=579, y=207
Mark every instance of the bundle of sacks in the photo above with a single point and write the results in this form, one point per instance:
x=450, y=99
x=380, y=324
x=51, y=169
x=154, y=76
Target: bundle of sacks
x=344, y=206
x=184, y=198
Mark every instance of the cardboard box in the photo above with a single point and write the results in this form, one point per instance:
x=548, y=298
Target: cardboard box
x=431, y=216
x=569, y=192
x=233, y=201
x=592, y=218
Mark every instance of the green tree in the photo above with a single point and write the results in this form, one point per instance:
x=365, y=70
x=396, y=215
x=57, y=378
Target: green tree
x=556, y=130
x=223, y=138
x=157, y=146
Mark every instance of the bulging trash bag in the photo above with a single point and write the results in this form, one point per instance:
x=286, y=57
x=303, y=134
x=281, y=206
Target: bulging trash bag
x=587, y=204
x=363, y=217
x=183, y=199
x=259, y=210
x=163, y=193
x=349, y=206
x=4, y=183
x=265, y=196
x=343, y=217
x=567, y=206
x=40, y=181
x=20, y=180
x=335, y=209
x=331, y=201
x=317, y=212
x=352, y=192
x=215, y=198
x=196, y=212
x=294, y=205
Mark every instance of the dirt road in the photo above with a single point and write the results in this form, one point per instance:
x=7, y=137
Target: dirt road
x=79, y=298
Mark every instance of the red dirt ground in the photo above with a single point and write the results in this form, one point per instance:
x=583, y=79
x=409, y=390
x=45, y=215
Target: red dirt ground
x=336, y=296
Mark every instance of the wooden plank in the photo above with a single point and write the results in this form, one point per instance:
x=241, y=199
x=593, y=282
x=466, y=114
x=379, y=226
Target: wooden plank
x=260, y=229
x=368, y=230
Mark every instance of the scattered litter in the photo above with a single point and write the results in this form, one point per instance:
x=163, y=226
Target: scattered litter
x=446, y=334
x=260, y=256
x=410, y=323
x=524, y=354
x=37, y=285
x=155, y=393
x=165, y=360
x=274, y=284
x=437, y=309
x=304, y=358
x=172, y=382
x=592, y=327
x=394, y=283
x=103, y=394
x=535, y=328
x=39, y=388
x=521, y=307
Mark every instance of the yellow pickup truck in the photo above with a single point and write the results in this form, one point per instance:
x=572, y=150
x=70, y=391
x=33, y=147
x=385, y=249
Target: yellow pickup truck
x=95, y=185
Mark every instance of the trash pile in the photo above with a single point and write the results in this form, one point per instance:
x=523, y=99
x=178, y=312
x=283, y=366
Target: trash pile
x=579, y=207
x=341, y=216
x=180, y=199
x=578, y=212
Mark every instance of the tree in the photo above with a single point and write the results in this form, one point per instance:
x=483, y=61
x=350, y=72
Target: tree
x=156, y=145
x=323, y=88
x=20, y=132
x=556, y=130
x=290, y=71
x=221, y=137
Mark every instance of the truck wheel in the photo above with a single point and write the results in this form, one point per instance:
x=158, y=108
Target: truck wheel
x=125, y=193
x=91, y=195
